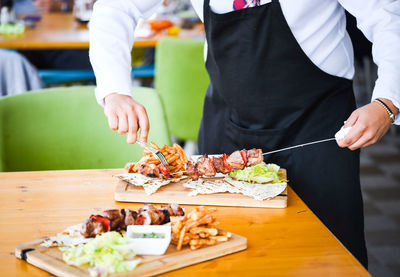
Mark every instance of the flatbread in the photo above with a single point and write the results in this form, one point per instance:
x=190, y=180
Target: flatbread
x=69, y=237
x=149, y=184
x=257, y=191
x=206, y=186
x=202, y=186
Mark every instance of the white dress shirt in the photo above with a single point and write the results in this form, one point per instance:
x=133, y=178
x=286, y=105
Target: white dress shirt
x=319, y=27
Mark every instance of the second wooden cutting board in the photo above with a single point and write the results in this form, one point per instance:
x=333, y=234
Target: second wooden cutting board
x=50, y=259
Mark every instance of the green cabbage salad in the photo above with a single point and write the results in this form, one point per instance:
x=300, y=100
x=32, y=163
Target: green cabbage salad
x=260, y=173
x=107, y=253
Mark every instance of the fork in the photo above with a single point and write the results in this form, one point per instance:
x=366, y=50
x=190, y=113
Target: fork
x=156, y=153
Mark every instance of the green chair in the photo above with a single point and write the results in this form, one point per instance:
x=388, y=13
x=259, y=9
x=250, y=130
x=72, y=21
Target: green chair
x=181, y=82
x=64, y=128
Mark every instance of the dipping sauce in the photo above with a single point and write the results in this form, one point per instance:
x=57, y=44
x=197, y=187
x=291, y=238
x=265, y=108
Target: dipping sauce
x=151, y=235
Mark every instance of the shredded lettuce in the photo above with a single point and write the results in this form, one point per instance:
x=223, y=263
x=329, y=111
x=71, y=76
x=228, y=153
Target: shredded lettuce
x=107, y=253
x=260, y=173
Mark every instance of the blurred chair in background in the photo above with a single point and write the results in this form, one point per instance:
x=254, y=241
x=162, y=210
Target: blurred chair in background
x=181, y=81
x=17, y=75
x=64, y=128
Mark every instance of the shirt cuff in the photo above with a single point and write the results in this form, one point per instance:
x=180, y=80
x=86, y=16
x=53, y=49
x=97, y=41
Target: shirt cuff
x=105, y=87
x=100, y=95
x=381, y=90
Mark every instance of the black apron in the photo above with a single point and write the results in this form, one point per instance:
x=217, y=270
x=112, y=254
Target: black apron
x=266, y=93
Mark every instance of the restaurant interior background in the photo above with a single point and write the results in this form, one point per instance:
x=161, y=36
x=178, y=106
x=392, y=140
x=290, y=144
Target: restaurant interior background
x=26, y=65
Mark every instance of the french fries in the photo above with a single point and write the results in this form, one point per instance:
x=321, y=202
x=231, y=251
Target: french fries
x=197, y=229
x=175, y=156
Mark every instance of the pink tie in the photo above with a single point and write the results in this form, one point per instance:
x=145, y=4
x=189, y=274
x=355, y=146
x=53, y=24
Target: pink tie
x=241, y=4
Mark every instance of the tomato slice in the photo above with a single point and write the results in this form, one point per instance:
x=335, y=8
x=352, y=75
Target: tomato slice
x=225, y=163
x=165, y=171
x=243, y=153
x=139, y=220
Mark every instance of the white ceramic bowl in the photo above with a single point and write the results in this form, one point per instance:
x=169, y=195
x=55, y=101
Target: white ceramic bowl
x=149, y=246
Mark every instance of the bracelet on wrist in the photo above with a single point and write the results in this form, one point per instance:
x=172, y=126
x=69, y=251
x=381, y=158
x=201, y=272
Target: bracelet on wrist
x=386, y=107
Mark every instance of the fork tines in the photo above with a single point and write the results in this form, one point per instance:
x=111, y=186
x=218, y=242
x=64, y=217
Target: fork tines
x=158, y=154
x=162, y=158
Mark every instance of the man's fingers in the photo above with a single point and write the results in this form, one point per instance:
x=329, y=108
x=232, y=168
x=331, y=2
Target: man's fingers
x=354, y=135
x=144, y=125
x=127, y=116
x=352, y=119
x=113, y=121
x=122, y=123
x=133, y=127
x=364, y=141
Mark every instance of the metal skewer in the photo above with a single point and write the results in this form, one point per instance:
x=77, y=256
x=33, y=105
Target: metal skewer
x=284, y=149
x=178, y=172
x=300, y=145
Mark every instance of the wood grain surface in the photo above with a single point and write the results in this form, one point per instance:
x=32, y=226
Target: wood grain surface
x=177, y=193
x=280, y=242
x=50, y=259
x=62, y=31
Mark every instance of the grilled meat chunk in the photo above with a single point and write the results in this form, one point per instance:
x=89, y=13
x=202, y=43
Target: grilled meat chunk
x=158, y=217
x=166, y=211
x=254, y=156
x=151, y=215
x=205, y=166
x=176, y=210
x=191, y=169
x=218, y=163
x=149, y=170
x=129, y=217
x=235, y=161
x=147, y=207
x=93, y=227
x=115, y=217
x=143, y=218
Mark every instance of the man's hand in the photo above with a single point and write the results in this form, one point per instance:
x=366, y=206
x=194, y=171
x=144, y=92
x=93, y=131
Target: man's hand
x=369, y=124
x=127, y=116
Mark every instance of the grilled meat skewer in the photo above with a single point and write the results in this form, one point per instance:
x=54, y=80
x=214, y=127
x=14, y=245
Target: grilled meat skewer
x=115, y=220
x=209, y=166
x=206, y=166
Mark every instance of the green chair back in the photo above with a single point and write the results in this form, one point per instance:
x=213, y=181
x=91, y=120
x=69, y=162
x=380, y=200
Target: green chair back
x=64, y=128
x=181, y=81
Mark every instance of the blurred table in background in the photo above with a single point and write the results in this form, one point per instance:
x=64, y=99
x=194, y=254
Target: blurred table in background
x=62, y=31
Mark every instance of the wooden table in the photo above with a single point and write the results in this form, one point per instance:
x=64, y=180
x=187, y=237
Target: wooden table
x=62, y=31
x=281, y=242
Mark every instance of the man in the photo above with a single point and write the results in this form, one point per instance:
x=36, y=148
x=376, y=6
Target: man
x=280, y=74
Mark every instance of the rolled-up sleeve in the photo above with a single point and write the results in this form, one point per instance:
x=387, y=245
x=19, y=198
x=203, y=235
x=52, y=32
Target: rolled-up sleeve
x=380, y=23
x=111, y=30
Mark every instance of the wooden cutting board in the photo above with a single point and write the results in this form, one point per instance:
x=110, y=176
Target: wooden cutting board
x=177, y=193
x=50, y=259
